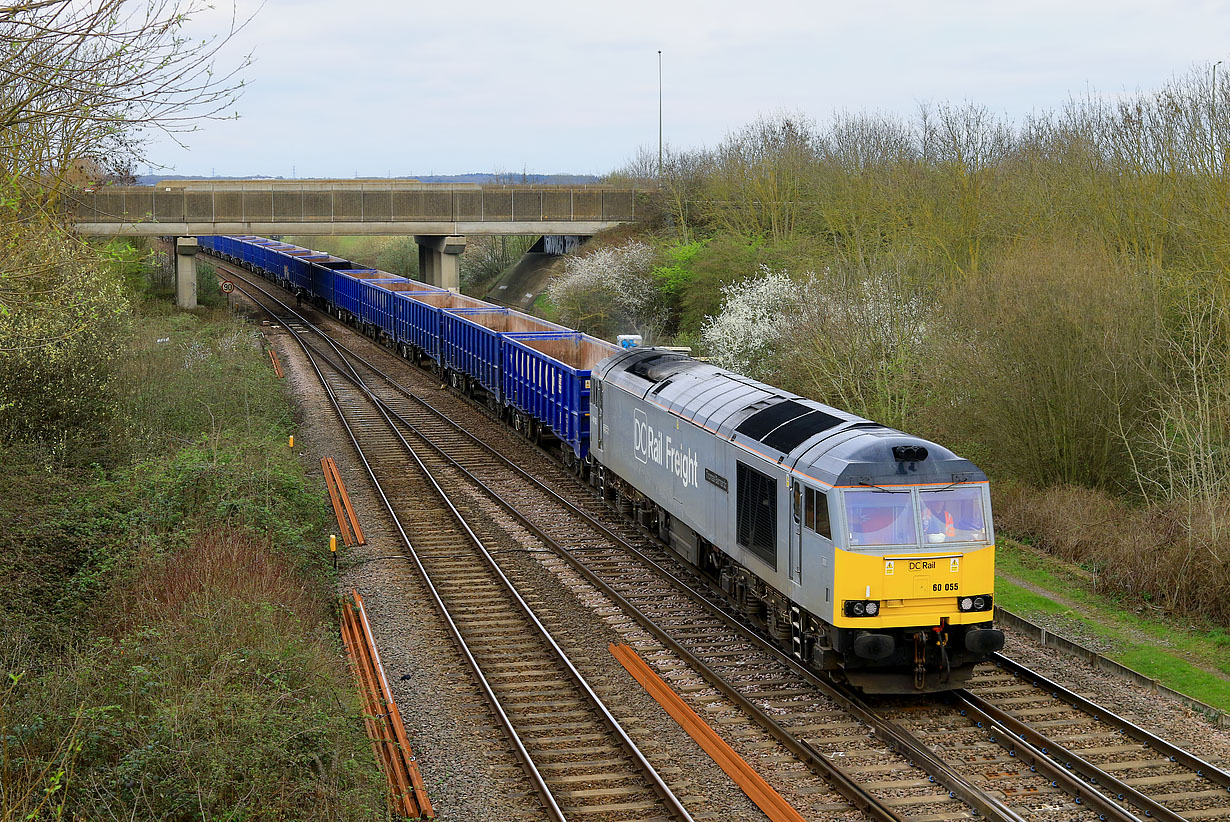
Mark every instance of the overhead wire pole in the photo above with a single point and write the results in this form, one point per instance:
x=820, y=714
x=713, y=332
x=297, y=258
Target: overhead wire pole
x=659, y=115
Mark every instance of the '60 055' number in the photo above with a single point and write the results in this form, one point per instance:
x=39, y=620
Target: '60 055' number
x=947, y=586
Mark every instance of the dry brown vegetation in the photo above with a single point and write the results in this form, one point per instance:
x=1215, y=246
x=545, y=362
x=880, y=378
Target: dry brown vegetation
x=1151, y=555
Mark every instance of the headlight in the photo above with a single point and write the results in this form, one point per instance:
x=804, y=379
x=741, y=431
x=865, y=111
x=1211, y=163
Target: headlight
x=861, y=608
x=981, y=602
x=967, y=604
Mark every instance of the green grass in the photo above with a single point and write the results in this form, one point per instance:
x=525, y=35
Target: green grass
x=1180, y=655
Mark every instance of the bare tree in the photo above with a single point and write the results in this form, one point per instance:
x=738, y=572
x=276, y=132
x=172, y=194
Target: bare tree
x=91, y=80
x=82, y=87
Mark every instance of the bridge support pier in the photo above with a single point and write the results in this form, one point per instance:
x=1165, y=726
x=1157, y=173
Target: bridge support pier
x=185, y=271
x=439, y=262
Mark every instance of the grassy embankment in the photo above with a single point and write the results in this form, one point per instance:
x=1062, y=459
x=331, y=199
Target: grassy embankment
x=170, y=641
x=1188, y=657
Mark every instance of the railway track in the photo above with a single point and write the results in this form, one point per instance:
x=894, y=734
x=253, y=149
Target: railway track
x=575, y=752
x=1127, y=764
x=924, y=762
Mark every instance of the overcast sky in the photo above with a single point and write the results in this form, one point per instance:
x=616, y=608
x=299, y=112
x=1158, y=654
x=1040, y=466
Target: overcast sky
x=378, y=87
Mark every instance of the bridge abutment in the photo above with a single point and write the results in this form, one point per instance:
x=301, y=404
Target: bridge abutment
x=185, y=271
x=439, y=259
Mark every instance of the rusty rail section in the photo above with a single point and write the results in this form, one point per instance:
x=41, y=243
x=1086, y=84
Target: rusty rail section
x=347, y=522
x=736, y=767
x=407, y=793
x=277, y=365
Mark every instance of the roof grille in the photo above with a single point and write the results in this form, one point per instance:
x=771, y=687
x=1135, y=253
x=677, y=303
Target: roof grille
x=657, y=367
x=762, y=422
x=787, y=437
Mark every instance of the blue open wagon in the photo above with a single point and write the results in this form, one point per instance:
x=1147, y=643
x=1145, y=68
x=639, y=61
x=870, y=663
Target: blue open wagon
x=347, y=288
x=321, y=277
x=301, y=269
x=376, y=302
x=272, y=259
x=388, y=306
x=548, y=377
x=470, y=340
x=252, y=252
x=418, y=317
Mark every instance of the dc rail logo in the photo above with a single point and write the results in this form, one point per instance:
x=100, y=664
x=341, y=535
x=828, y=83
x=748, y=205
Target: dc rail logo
x=656, y=446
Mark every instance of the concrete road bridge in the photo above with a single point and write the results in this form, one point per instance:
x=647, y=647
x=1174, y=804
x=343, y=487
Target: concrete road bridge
x=438, y=216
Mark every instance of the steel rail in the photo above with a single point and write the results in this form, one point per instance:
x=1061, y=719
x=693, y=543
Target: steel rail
x=1041, y=752
x=1147, y=738
x=890, y=732
x=656, y=780
x=552, y=807
x=818, y=762
x=886, y=729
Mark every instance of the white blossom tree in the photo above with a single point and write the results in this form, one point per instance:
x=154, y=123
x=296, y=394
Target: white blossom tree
x=850, y=339
x=753, y=326
x=611, y=291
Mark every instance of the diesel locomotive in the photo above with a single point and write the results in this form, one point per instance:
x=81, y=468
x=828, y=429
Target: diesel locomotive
x=866, y=553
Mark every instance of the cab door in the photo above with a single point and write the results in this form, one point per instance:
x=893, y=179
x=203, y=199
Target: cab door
x=794, y=565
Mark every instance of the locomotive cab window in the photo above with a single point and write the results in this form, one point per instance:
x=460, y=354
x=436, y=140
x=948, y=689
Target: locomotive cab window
x=953, y=515
x=881, y=518
x=756, y=513
x=816, y=512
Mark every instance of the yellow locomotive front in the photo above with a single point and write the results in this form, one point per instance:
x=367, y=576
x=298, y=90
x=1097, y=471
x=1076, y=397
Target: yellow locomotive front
x=914, y=583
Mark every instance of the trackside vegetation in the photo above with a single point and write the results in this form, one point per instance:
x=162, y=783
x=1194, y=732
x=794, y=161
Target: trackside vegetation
x=1065, y=597
x=170, y=647
x=1048, y=297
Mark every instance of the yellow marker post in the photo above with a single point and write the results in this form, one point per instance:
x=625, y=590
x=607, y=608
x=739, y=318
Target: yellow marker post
x=333, y=549
x=292, y=440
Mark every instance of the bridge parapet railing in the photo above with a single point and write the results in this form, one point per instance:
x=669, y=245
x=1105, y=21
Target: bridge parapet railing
x=383, y=203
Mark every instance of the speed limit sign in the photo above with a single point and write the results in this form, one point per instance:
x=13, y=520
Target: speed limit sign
x=227, y=286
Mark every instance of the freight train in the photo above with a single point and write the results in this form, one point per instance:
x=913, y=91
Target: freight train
x=866, y=553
